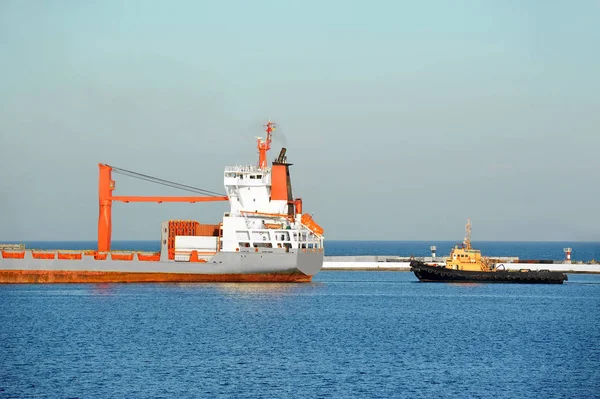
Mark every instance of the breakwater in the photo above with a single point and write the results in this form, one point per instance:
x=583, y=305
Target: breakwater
x=402, y=263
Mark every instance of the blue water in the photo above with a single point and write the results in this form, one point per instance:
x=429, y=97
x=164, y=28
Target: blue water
x=346, y=335
x=582, y=251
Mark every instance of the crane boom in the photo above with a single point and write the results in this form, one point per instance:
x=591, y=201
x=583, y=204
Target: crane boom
x=105, y=188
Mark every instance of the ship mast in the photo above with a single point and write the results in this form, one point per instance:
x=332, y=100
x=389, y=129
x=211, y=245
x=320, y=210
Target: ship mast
x=264, y=146
x=467, y=241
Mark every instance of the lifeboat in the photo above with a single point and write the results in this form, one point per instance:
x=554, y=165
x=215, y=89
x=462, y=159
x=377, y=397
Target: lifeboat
x=308, y=221
x=273, y=225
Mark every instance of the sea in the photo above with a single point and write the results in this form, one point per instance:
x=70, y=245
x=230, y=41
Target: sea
x=347, y=334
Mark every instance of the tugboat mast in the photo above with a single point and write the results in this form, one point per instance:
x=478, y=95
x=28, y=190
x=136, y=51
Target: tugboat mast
x=467, y=241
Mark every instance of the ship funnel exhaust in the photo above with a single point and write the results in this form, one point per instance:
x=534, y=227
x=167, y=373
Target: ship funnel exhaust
x=281, y=158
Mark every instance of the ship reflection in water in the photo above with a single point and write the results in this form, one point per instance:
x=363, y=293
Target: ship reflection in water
x=104, y=289
x=262, y=289
x=233, y=289
x=466, y=285
x=254, y=290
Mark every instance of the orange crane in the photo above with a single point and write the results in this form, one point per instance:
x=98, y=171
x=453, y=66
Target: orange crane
x=105, y=187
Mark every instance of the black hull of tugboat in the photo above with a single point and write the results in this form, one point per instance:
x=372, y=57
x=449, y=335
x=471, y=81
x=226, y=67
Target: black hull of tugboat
x=428, y=273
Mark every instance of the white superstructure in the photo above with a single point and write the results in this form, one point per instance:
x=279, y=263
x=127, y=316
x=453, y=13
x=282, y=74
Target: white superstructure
x=263, y=213
x=256, y=220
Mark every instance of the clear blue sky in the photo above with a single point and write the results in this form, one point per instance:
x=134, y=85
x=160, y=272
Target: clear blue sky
x=402, y=119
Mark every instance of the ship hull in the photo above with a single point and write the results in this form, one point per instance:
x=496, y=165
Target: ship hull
x=67, y=276
x=427, y=273
x=295, y=266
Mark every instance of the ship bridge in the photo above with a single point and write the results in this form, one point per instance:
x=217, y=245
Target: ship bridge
x=247, y=175
x=249, y=189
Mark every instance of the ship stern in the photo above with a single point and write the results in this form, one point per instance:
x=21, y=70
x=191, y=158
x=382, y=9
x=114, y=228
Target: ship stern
x=310, y=262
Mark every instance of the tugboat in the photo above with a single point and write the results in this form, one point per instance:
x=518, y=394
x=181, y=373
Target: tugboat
x=466, y=265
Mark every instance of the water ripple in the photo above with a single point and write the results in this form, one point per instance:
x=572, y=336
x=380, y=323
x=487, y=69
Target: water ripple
x=348, y=334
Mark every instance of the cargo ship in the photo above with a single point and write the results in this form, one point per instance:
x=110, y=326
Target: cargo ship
x=466, y=265
x=264, y=237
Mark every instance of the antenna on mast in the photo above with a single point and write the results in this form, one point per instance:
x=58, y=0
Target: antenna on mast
x=264, y=146
x=467, y=241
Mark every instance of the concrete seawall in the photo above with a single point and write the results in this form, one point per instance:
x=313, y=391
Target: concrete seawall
x=402, y=263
